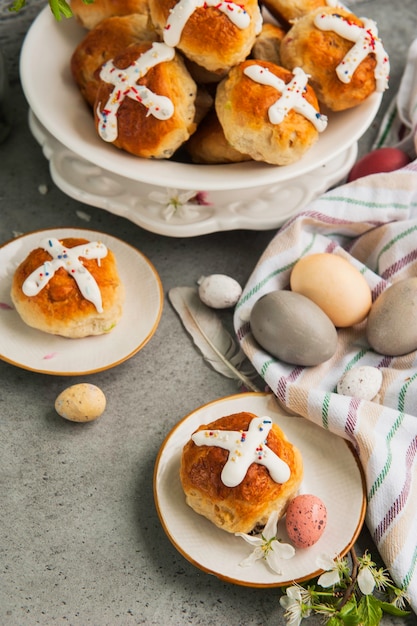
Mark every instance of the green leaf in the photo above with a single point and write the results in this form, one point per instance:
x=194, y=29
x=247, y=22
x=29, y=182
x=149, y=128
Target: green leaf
x=60, y=8
x=17, y=5
x=387, y=607
x=369, y=611
x=349, y=613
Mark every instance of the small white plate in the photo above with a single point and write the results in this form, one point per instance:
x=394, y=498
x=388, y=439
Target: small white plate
x=66, y=116
x=37, y=351
x=331, y=471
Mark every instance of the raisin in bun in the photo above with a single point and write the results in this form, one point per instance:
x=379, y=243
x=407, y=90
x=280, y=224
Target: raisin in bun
x=109, y=38
x=252, y=107
x=227, y=487
x=73, y=294
x=91, y=14
x=208, y=145
x=213, y=38
x=146, y=101
x=341, y=53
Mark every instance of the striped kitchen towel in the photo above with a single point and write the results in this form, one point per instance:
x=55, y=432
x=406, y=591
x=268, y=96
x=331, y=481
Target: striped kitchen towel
x=372, y=222
x=398, y=128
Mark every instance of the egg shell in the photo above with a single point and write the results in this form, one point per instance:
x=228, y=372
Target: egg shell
x=380, y=160
x=81, y=403
x=305, y=520
x=391, y=328
x=361, y=382
x=335, y=285
x=219, y=291
x=292, y=328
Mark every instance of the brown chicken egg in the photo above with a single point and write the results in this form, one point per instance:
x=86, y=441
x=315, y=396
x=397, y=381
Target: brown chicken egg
x=335, y=285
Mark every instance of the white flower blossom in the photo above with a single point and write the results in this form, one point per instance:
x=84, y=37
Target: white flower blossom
x=173, y=200
x=401, y=598
x=297, y=604
x=267, y=546
x=331, y=576
x=366, y=576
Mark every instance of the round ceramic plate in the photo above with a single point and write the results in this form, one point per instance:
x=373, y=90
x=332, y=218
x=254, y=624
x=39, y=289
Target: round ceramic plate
x=57, y=103
x=50, y=354
x=331, y=472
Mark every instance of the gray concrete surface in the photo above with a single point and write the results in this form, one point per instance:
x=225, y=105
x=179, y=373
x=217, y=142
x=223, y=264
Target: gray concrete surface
x=80, y=540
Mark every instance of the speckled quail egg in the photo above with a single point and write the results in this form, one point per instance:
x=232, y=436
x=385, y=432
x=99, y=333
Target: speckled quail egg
x=219, y=291
x=363, y=382
x=83, y=402
x=305, y=520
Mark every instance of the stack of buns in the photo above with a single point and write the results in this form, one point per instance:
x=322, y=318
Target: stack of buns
x=199, y=99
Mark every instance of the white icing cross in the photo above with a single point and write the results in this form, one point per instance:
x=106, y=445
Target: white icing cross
x=182, y=11
x=245, y=447
x=68, y=259
x=291, y=95
x=366, y=42
x=125, y=84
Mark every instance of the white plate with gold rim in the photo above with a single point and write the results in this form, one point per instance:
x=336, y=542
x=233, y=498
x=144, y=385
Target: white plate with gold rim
x=331, y=471
x=245, y=195
x=38, y=351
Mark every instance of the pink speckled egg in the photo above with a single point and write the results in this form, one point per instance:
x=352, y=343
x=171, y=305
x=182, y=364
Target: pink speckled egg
x=305, y=520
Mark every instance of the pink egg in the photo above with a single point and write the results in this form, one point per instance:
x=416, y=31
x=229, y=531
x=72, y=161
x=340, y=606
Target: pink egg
x=305, y=520
x=379, y=160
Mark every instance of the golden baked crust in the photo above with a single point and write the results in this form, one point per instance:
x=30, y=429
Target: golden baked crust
x=248, y=505
x=319, y=52
x=60, y=308
x=139, y=132
x=242, y=106
x=208, y=145
x=287, y=11
x=104, y=41
x=210, y=38
x=89, y=15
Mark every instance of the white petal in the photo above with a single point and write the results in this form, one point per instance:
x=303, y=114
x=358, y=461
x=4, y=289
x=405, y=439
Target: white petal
x=159, y=196
x=270, y=529
x=285, y=602
x=184, y=196
x=366, y=581
x=328, y=579
x=294, y=593
x=254, y=556
x=254, y=541
x=274, y=562
x=325, y=561
x=283, y=550
x=168, y=212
